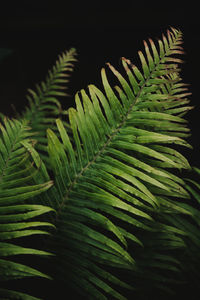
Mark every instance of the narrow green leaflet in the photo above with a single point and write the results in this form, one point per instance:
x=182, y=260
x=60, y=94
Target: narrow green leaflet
x=113, y=161
x=17, y=176
x=8, y=294
x=44, y=106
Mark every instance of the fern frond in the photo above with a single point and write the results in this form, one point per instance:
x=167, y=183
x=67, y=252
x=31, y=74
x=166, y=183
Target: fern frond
x=114, y=167
x=16, y=186
x=184, y=218
x=43, y=104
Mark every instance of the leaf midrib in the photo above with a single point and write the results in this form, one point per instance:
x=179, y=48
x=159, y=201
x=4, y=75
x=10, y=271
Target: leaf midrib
x=114, y=133
x=17, y=138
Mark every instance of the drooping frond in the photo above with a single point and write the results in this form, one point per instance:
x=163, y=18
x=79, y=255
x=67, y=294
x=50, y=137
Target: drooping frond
x=44, y=106
x=182, y=219
x=114, y=171
x=16, y=214
x=190, y=223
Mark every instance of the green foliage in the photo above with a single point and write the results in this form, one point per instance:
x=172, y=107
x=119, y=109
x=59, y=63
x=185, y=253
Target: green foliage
x=44, y=106
x=16, y=213
x=107, y=177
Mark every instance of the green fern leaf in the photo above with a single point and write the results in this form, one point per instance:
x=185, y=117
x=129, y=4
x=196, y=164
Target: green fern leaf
x=43, y=104
x=100, y=167
x=15, y=212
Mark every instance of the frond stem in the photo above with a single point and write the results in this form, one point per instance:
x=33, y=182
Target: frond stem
x=113, y=134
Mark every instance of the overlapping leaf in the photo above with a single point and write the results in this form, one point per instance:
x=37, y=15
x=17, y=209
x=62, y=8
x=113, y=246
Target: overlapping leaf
x=112, y=172
x=44, y=106
x=16, y=214
x=189, y=223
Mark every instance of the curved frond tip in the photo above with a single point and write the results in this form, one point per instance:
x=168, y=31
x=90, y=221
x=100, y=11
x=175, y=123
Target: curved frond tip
x=114, y=160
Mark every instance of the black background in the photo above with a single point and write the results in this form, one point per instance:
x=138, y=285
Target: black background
x=37, y=32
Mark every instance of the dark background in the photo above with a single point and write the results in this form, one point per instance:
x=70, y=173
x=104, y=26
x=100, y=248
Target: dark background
x=36, y=33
